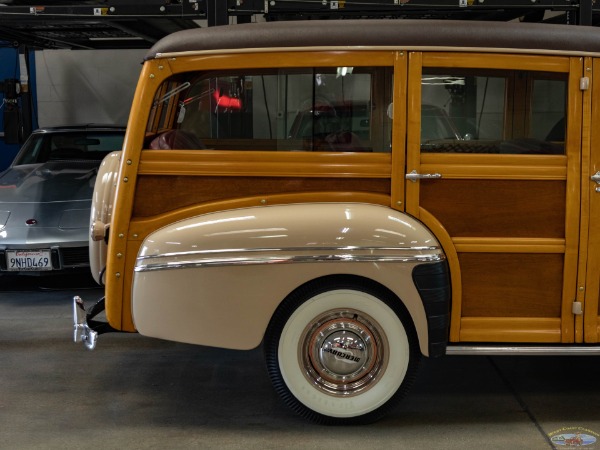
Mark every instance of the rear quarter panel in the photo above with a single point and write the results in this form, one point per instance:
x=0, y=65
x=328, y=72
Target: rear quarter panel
x=216, y=279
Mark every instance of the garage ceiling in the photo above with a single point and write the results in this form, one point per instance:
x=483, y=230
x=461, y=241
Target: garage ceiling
x=95, y=24
x=114, y=24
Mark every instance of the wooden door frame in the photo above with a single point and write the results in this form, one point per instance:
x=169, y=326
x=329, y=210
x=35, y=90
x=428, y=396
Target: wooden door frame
x=589, y=287
x=571, y=173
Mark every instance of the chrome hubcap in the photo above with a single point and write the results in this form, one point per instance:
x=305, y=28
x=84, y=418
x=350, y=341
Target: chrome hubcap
x=343, y=352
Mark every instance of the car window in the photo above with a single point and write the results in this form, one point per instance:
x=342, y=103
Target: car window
x=513, y=112
x=53, y=146
x=31, y=150
x=302, y=109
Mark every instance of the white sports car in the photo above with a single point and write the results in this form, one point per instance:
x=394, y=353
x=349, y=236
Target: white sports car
x=45, y=198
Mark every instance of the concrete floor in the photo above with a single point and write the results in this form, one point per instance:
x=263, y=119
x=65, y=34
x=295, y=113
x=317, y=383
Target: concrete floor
x=134, y=392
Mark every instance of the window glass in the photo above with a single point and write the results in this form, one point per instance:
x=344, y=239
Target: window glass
x=513, y=112
x=69, y=145
x=548, y=110
x=340, y=109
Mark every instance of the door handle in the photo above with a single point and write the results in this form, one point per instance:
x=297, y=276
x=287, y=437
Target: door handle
x=596, y=178
x=414, y=176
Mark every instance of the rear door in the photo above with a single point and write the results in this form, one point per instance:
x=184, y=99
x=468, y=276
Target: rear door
x=493, y=168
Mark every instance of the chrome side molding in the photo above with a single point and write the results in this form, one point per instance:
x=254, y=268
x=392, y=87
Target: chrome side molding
x=242, y=257
x=81, y=331
x=524, y=350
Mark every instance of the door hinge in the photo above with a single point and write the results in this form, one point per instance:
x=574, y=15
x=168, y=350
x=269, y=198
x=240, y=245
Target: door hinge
x=584, y=83
x=577, y=308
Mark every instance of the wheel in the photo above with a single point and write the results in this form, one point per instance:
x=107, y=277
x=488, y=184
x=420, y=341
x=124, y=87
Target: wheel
x=341, y=352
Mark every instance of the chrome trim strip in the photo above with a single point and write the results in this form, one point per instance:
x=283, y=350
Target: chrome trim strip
x=287, y=249
x=328, y=48
x=240, y=261
x=523, y=350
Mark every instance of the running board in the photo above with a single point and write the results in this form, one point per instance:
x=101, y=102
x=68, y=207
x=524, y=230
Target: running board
x=523, y=350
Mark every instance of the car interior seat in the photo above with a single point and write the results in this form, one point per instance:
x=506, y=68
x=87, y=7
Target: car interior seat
x=176, y=139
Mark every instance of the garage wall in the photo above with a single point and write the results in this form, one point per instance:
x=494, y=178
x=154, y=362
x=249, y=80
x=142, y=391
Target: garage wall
x=9, y=68
x=86, y=86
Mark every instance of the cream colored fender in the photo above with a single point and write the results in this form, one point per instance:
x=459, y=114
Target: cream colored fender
x=216, y=279
x=101, y=213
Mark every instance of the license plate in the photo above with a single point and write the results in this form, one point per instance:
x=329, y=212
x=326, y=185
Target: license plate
x=32, y=260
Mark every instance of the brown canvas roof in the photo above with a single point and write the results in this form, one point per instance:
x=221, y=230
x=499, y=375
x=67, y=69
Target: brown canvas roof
x=384, y=33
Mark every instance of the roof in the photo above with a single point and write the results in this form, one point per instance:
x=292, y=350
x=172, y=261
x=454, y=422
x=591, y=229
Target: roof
x=406, y=34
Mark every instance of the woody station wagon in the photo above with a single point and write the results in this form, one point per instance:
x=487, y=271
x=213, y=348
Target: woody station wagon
x=354, y=195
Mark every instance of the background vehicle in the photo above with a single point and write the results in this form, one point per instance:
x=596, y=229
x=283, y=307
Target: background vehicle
x=45, y=198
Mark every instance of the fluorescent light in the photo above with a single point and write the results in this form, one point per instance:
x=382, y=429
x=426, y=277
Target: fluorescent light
x=124, y=38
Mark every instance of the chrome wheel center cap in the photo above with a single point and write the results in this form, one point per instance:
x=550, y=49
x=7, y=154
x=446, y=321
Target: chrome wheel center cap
x=343, y=352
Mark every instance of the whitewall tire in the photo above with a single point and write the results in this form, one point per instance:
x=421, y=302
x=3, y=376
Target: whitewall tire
x=341, y=351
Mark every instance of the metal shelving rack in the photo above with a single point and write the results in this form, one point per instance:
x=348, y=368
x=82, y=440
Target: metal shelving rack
x=138, y=24
x=584, y=12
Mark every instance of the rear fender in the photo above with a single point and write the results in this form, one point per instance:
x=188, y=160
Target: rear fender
x=101, y=213
x=216, y=279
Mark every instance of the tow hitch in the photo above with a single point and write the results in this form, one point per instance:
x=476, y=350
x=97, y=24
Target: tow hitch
x=85, y=328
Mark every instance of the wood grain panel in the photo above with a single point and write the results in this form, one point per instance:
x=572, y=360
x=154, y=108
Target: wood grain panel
x=515, y=329
x=156, y=194
x=497, y=208
x=496, y=61
x=511, y=285
x=260, y=59
x=280, y=164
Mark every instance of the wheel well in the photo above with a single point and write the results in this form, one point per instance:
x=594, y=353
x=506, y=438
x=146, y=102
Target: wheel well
x=342, y=281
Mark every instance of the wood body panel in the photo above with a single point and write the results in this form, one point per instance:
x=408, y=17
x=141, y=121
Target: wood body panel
x=170, y=180
x=308, y=164
x=496, y=61
x=513, y=329
x=157, y=194
x=281, y=59
x=496, y=167
x=118, y=276
x=497, y=208
x=524, y=285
